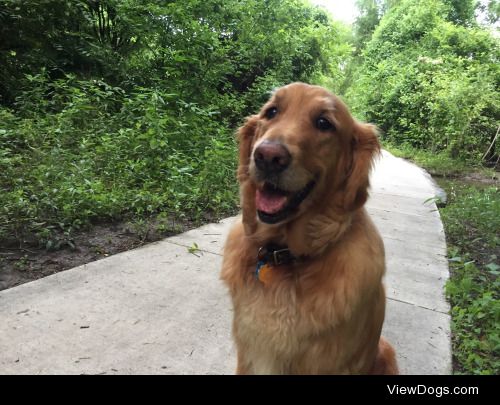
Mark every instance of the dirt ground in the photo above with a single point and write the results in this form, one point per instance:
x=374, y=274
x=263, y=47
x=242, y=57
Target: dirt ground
x=21, y=265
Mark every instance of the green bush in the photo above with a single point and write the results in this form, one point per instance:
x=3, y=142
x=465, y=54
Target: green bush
x=90, y=152
x=429, y=83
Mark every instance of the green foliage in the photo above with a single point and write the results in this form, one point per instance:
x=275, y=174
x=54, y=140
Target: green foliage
x=430, y=83
x=490, y=11
x=472, y=220
x=475, y=319
x=370, y=12
x=461, y=12
x=474, y=213
x=440, y=164
x=89, y=38
x=92, y=152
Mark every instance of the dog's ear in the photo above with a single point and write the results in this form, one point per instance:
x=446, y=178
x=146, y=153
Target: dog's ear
x=364, y=148
x=245, y=137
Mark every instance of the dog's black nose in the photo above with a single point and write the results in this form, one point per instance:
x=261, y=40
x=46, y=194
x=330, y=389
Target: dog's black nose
x=272, y=157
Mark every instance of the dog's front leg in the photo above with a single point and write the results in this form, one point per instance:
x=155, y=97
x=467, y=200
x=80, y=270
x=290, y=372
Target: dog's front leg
x=241, y=367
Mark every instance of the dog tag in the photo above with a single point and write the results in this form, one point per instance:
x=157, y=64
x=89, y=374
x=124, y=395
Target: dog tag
x=265, y=274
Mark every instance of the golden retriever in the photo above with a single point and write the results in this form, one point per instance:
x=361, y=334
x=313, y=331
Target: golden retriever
x=304, y=264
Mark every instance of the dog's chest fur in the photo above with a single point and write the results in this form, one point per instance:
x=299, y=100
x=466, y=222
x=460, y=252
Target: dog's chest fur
x=272, y=327
x=267, y=327
x=323, y=316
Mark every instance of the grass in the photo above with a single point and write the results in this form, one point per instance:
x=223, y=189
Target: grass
x=439, y=164
x=471, y=220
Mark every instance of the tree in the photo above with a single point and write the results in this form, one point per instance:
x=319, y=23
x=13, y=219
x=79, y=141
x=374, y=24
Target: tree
x=461, y=12
x=370, y=12
x=430, y=82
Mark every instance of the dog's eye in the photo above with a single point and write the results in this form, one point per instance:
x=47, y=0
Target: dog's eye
x=271, y=113
x=324, y=125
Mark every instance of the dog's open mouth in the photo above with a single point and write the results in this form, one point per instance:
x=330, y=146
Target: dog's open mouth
x=275, y=205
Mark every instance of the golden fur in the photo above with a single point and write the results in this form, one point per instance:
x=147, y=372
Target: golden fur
x=324, y=314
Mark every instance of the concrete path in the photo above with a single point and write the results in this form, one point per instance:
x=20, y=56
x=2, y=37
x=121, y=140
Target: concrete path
x=162, y=310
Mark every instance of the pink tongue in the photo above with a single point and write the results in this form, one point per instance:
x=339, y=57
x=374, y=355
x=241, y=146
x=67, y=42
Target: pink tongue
x=269, y=202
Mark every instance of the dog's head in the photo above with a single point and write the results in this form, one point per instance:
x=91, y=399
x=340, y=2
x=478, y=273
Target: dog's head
x=303, y=151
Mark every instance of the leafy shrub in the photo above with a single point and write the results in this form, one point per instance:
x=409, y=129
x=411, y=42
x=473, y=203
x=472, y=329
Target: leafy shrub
x=430, y=83
x=79, y=156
